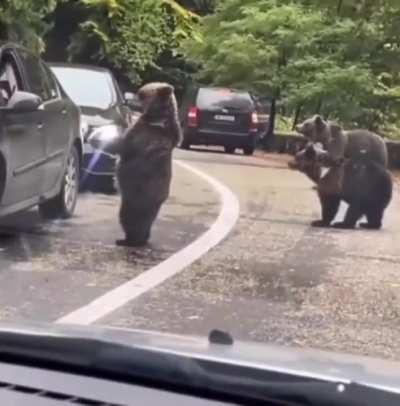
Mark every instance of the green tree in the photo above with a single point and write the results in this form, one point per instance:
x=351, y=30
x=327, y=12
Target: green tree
x=23, y=21
x=130, y=35
x=329, y=56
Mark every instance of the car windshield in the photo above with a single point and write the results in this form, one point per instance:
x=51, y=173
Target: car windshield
x=189, y=166
x=223, y=98
x=87, y=88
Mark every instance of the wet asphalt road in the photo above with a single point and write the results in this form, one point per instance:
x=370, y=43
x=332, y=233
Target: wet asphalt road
x=272, y=279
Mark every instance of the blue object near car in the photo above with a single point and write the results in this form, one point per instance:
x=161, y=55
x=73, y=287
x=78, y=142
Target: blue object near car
x=105, y=114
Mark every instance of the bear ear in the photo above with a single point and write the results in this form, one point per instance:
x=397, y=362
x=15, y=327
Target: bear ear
x=141, y=94
x=166, y=91
x=319, y=121
x=335, y=129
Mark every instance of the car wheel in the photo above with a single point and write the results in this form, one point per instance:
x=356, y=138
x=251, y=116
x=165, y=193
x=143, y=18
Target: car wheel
x=230, y=150
x=185, y=144
x=63, y=205
x=248, y=150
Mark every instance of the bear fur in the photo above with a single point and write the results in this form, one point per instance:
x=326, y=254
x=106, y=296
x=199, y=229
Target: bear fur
x=144, y=170
x=362, y=183
x=348, y=144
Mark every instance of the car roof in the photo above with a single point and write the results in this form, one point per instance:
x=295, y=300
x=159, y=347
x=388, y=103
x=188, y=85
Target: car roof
x=223, y=88
x=78, y=66
x=12, y=45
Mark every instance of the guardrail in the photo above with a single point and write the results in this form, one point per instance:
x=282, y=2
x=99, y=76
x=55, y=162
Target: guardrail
x=290, y=143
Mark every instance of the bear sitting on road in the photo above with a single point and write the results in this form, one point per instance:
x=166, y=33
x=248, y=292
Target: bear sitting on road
x=145, y=161
x=362, y=183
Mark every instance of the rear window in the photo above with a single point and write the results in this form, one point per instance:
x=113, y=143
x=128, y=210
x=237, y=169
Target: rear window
x=224, y=98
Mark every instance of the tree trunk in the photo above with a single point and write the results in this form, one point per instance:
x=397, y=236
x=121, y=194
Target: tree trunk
x=296, y=116
x=339, y=7
x=269, y=139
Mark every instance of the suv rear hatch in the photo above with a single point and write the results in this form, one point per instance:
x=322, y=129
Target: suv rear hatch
x=225, y=111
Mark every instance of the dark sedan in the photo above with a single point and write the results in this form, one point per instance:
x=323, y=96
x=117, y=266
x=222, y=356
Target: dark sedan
x=40, y=140
x=105, y=114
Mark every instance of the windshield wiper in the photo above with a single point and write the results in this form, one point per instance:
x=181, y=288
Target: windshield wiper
x=98, y=357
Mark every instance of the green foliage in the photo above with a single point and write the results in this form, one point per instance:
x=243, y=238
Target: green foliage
x=336, y=57
x=283, y=124
x=340, y=58
x=22, y=21
x=131, y=34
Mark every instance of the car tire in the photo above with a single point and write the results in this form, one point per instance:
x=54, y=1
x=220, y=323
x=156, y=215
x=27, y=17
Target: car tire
x=248, y=150
x=185, y=144
x=63, y=205
x=230, y=150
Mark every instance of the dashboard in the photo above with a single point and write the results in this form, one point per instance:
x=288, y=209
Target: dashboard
x=21, y=385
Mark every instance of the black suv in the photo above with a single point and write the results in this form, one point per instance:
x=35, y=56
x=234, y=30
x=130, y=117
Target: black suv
x=222, y=117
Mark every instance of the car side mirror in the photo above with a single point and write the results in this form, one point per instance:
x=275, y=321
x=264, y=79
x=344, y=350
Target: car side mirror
x=128, y=96
x=132, y=100
x=24, y=102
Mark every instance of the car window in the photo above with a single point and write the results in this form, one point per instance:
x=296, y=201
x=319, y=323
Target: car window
x=263, y=105
x=219, y=98
x=36, y=76
x=76, y=82
x=9, y=78
x=51, y=82
x=117, y=90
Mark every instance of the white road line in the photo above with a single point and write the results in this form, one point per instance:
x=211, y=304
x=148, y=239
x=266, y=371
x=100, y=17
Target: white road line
x=114, y=299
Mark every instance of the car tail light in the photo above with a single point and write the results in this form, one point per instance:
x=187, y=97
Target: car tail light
x=254, y=122
x=193, y=117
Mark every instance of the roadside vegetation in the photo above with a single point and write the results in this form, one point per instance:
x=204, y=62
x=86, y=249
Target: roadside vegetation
x=339, y=58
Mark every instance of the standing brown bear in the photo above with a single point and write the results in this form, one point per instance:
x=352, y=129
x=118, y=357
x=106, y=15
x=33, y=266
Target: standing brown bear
x=145, y=162
x=344, y=144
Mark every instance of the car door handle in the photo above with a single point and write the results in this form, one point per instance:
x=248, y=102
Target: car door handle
x=40, y=125
x=64, y=112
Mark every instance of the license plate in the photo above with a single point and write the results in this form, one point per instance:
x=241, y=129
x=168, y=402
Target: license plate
x=224, y=118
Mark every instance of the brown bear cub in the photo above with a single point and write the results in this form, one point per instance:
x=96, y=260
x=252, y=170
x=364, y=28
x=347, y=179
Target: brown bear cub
x=145, y=162
x=361, y=182
x=348, y=144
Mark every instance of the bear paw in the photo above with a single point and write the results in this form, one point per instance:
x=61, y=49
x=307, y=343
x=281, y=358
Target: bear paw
x=319, y=223
x=130, y=243
x=369, y=226
x=343, y=225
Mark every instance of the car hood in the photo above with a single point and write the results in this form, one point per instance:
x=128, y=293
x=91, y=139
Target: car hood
x=95, y=117
x=299, y=362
